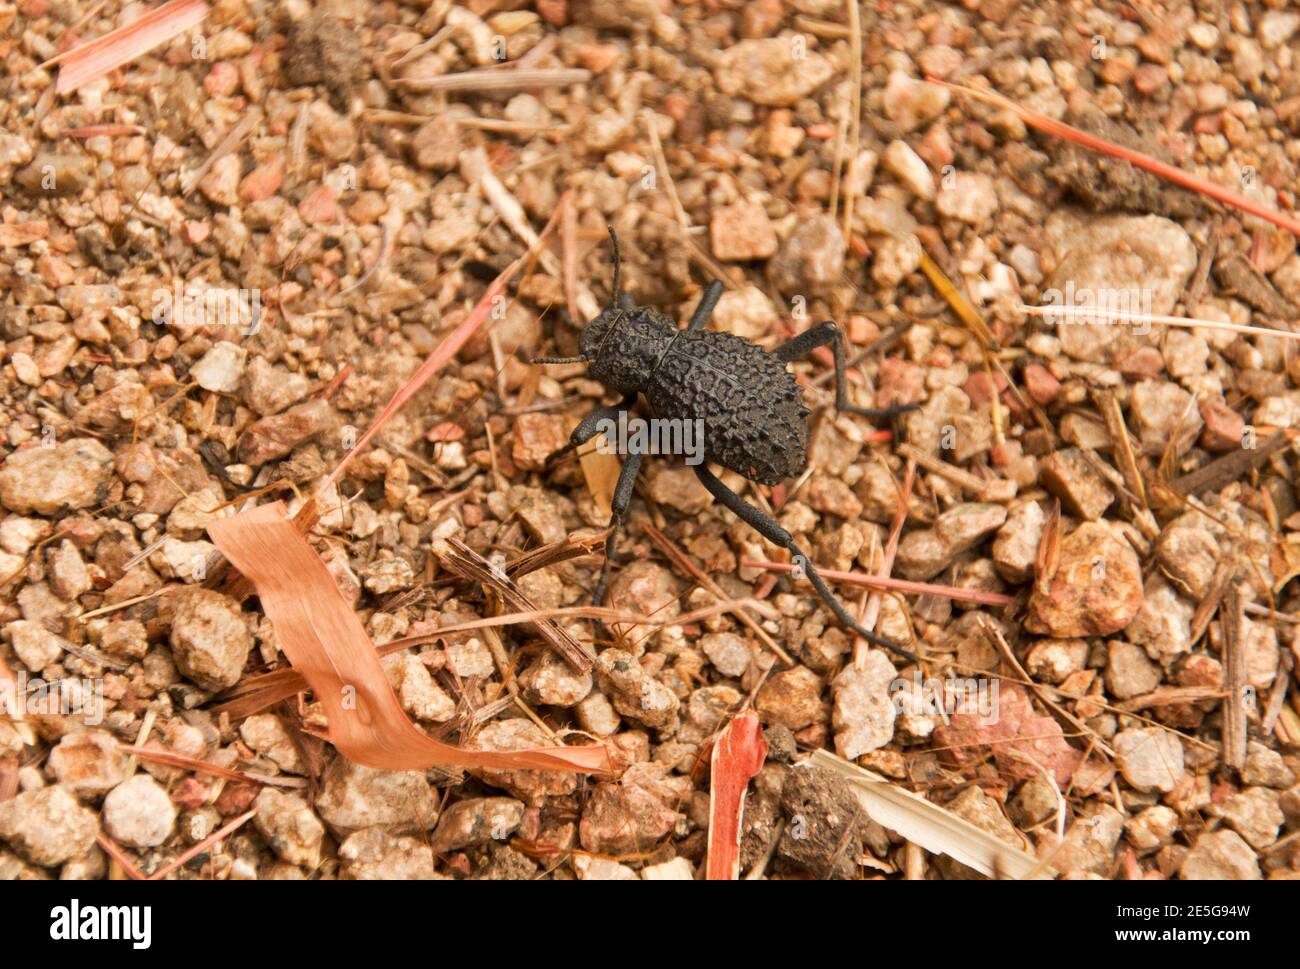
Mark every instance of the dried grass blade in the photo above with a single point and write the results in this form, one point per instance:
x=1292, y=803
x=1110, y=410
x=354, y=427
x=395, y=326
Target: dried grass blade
x=553, y=554
x=934, y=828
x=94, y=59
x=1277, y=697
x=9, y=688
x=104, y=131
x=1125, y=457
x=488, y=79
x=960, y=305
x=114, y=851
x=1088, y=315
x=8, y=778
x=569, y=240
x=1232, y=466
x=876, y=600
x=232, y=140
x=1233, y=617
x=261, y=692
x=157, y=756
x=1209, y=605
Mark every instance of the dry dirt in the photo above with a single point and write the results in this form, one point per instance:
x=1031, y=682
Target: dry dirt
x=195, y=321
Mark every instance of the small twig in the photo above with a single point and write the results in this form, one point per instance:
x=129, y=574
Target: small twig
x=661, y=162
x=1171, y=696
x=1235, y=676
x=1209, y=605
x=1048, y=555
x=498, y=650
x=569, y=244
x=257, y=693
x=900, y=585
x=661, y=165
x=1277, y=697
x=103, y=131
x=118, y=606
x=956, y=475
x=487, y=79
x=1122, y=444
x=424, y=46
x=143, y=554
x=959, y=303
x=203, y=767
x=1255, y=609
x=855, y=117
x=476, y=167
x=202, y=846
x=837, y=163
x=380, y=258
x=1232, y=466
x=1203, y=266
x=467, y=563
x=114, y=851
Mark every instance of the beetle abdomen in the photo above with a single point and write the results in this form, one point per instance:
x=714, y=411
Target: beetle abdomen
x=755, y=422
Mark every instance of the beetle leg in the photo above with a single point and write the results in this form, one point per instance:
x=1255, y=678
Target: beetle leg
x=772, y=530
x=824, y=334
x=704, y=309
x=618, y=511
x=589, y=427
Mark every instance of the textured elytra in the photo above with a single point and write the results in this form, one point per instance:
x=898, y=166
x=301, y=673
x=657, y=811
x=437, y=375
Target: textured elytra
x=754, y=419
x=755, y=422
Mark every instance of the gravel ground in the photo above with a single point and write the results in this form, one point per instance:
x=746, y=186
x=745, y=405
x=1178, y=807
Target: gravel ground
x=218, y=263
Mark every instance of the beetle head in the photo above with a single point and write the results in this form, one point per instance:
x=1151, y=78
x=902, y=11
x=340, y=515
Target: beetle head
x=625, y=342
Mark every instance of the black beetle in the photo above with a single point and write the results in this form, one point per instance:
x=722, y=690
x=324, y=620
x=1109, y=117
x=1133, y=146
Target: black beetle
x=754, y=418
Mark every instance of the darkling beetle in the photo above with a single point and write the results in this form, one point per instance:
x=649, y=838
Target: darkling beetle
x=755, y=421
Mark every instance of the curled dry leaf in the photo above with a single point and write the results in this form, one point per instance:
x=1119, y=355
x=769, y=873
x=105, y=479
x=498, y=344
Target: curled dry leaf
x=326, y=643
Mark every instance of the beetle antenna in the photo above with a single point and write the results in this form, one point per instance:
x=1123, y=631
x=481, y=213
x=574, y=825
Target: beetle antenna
x=613, y=238
x=580, y=358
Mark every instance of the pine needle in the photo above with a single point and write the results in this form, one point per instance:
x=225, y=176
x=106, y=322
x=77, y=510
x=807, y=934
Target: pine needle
x=1137, y=159
x=899, y=585
x=98, y=57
